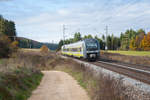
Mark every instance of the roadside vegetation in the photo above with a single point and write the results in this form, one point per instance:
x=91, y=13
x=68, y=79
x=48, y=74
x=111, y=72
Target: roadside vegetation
x=18, y=76
x=18, y=84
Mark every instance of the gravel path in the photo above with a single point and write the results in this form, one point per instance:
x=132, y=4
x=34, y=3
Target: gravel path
x=57, y=85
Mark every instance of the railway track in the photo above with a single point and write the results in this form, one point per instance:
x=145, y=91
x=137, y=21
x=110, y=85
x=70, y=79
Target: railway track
x=138, y=72
x=134, y=71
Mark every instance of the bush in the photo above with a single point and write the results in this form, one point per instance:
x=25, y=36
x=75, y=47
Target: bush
x=14, y=45
x=6, y=47
x=44, y=49
x=18, y=84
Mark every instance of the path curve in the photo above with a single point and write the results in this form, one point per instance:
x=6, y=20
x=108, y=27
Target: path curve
x=57, y=85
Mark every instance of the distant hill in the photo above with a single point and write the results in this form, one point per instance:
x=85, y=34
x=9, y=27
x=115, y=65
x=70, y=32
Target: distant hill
x=28, y=43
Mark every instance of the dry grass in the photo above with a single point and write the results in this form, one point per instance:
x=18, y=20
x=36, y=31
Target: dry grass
x=101, y=87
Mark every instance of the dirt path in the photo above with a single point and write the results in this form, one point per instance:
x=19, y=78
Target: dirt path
x=57, y=85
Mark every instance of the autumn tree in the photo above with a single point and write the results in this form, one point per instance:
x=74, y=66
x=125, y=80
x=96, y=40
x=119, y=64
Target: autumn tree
x=44, y=49
x=135, y=43
x=6, y=46
x=145, y=44
x=126, y=38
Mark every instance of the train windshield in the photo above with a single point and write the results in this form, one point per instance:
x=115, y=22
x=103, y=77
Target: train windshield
x=92, y=46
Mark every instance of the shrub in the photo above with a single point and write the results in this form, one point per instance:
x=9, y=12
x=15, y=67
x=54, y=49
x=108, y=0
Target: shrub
x=44, y=49
x=14, y=46
x=18, y=84
x=6, y=46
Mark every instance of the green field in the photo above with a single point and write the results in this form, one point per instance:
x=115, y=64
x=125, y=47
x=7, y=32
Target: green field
x=133, y=53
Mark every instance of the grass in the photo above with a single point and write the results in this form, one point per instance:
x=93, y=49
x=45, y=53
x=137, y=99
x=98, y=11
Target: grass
x=132, y=53
x=1, y=61
x=79, y=77
x=27, y=50
x=18, y=84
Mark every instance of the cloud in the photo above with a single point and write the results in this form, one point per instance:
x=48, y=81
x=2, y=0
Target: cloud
x=63, y=12
x=43, y=21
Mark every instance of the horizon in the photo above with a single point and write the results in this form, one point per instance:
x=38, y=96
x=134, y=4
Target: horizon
x=43, y=20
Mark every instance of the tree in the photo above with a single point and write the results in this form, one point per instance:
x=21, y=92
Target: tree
x=113, y=43
x=44, y=49
x=7, y=27
x=87, y=36
x=126, y=38
x=108, y=43
x=6, y=47
x=103, y=37
x=140, y=31
x=102, y=44
x=135, y=43
x=77, y=37
x=145, y=44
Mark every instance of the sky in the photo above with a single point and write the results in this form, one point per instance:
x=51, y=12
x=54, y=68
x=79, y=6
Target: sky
x=43, y=20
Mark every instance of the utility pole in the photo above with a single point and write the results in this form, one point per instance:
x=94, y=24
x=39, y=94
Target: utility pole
x=64, y=33
x=106, y=37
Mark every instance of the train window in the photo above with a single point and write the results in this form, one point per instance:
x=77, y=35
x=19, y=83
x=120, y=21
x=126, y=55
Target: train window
x=80, y=49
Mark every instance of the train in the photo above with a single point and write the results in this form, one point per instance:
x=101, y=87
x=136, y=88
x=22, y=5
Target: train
x=87, y=49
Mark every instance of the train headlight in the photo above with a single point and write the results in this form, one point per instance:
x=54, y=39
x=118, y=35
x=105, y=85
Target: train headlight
x=92, y=55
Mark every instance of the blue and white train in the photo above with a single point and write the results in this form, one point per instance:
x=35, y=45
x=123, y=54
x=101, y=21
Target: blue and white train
x=87, y=49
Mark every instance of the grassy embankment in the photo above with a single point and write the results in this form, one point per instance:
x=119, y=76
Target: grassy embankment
x=132, y=53
x=18, y=77
x=18, y=84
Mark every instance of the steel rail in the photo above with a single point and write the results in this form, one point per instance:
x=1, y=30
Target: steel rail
x=126, y=67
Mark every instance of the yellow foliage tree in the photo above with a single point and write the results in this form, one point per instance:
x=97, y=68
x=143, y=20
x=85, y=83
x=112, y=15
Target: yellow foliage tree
x=7, y=48
x=145, y=44
x=135, y=44
x=132, y=45
x=14, y=45
x=44, y=49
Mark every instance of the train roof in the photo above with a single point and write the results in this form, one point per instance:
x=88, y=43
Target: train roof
x=80, y=42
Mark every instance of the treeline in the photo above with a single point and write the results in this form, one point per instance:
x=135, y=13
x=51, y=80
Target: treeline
x=112, y=43
x=129, y=40
x=135, y=40
x=28, y=43
x=78, y=37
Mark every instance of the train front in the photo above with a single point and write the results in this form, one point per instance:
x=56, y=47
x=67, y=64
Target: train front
x=92, y=49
